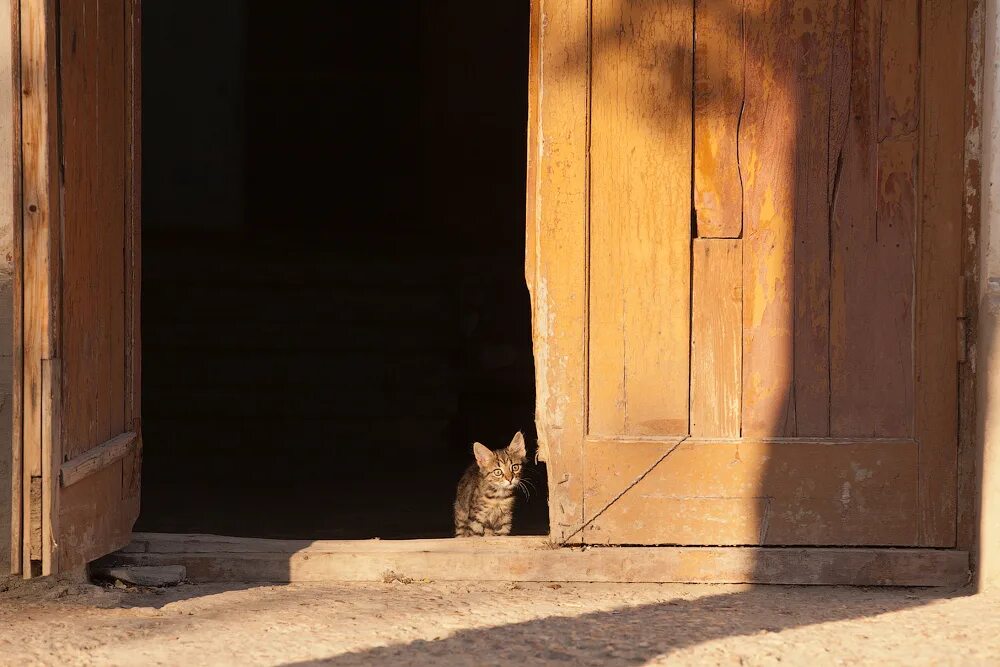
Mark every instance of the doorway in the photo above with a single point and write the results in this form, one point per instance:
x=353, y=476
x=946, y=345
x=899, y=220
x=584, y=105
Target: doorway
x=334, y=305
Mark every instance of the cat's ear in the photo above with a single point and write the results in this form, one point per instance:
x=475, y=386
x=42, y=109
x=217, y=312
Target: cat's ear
x=484, y=457
x=516, y=447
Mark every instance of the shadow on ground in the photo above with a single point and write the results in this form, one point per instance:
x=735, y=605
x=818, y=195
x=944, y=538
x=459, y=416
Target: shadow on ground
x=637, y=634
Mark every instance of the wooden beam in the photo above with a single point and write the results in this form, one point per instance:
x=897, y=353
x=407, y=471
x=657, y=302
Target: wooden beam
x=97, y=458
x=210, y=558
x=40, y=215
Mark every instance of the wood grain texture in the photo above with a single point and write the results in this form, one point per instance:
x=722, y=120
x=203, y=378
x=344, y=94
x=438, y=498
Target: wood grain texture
x=719, y=72
x=899, y=68
x=210, y=558
x=967, y=486
x=97, y=196
x=941, y=187
x=757, y=492
x=94, y=147
x=874, y=228
x=132, y=464
x=640, y=217
x=51, y=455
x=40, y=215
x=838, y=254
x=716, y=337
x=97, y=458
x=558, y=237
x=786, y=263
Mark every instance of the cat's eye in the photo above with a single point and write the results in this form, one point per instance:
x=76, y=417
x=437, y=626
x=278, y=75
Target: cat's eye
x=498, y=472
x=515, y=467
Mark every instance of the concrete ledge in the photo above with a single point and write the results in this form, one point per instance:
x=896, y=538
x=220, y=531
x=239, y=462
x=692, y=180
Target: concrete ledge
x=226, y=559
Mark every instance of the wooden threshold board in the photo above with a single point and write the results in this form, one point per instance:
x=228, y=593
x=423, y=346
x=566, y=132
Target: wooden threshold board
x=211, y=558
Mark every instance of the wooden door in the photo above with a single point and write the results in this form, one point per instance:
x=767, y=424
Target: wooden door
x=80, y=152
x=743, y=249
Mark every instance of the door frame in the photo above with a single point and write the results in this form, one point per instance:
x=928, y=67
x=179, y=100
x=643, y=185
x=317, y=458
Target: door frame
x=563, y=464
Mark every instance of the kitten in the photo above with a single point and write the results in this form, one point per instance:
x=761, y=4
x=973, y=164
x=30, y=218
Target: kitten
x=484, y=504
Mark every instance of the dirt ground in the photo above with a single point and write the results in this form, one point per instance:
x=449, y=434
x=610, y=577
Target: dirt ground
x=419, y=623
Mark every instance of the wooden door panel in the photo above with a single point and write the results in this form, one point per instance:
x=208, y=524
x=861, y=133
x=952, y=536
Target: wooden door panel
x=782, y=368
x=719, y=62
x=873, y=227
x=640, y=221
x=95, y=149
x=939, y=243
x=759, y=492
x=81, y=277
x=716, y=337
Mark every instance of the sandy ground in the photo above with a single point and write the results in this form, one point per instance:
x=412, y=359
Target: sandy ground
x=60, y=623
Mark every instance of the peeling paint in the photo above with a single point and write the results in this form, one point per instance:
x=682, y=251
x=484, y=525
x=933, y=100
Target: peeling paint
x=861, y=474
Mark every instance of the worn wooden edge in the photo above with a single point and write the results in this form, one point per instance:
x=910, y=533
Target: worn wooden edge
x=559, y=253
x=204, y=543
x=12, y=13
x=97, y=458
x=531, y=176
x=40, y=215
x=51, y=455
x=211, y=559
x=943, y=41
x=132, y=466
x=968, y=462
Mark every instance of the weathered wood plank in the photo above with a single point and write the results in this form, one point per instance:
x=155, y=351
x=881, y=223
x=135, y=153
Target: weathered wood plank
x=516, y=559
x=873, y=232
x=718, y=104
x=132, y=465
x=767, y=156
x=40, y=214
x=899, y=49
x=557, y=278
x=97, y=458
x=968, y=458
x=95, y=126
x=93, y=110
x=943, y=41
x=716, y=337
x=816, y=31
x=51, y=455
x=790, y=50
x=758, y=492
x=640, y=217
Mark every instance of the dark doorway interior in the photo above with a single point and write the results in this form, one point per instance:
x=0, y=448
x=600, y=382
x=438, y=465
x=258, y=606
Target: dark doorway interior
x=334, y=304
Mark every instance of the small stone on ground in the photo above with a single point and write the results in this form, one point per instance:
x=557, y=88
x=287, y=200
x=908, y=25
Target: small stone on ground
x=152, y=576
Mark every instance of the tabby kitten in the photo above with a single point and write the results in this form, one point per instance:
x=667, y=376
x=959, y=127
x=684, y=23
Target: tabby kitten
x=484, y=504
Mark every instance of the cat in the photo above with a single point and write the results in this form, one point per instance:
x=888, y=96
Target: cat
x=484, y=503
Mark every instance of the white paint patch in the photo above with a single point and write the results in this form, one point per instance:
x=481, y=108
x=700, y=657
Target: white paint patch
x=861, y=474
x=845, y=494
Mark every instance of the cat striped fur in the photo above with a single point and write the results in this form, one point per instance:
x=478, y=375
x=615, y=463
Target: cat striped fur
x=484, y=502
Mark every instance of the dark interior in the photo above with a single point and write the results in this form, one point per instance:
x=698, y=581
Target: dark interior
x=334, y=305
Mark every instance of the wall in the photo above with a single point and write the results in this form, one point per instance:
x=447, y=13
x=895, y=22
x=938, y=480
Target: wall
x=8, y=217
x=988, y=343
